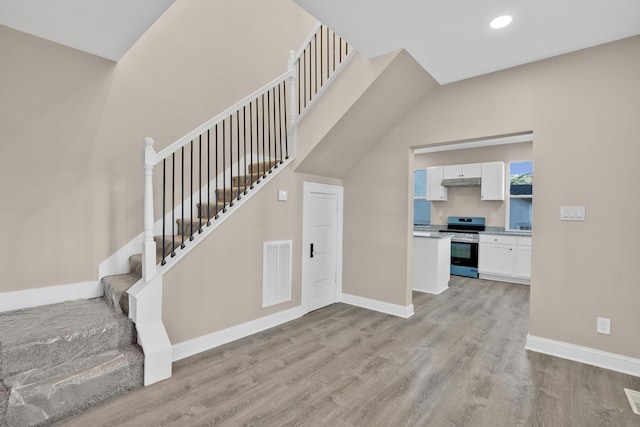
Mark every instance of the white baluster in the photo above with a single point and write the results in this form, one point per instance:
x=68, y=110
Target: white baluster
x=292, y=86
x=148, y=244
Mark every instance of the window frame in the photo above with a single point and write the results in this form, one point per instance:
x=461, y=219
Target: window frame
x=414, y=198
x=523, y=196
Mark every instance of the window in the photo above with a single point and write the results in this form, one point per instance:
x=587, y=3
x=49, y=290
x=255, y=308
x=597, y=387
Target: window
x=421, y=206
x=520, y=195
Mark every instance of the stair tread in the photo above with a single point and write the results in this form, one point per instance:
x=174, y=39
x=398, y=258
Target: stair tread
x=34, y=337
x=115, y=290
x=52, y=392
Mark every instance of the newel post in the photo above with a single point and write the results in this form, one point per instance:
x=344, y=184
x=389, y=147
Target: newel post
x=148, y=244
x=292, y=86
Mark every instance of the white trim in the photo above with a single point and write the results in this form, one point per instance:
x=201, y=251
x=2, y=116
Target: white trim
x=512, y=139
x=166, y=152
x=376, y=305
x=49, y=295
x=118, y=262
x=590, y=356
x=233, y=333
x=633, y=397
x=506, y=279
x=338, y=191
x=281, y=285
x=307, y=41
x=430, y=293
x=326, y=84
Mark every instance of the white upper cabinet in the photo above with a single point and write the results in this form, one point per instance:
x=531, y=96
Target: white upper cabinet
x=435, y=191
x=471, y=170
x=492, y=181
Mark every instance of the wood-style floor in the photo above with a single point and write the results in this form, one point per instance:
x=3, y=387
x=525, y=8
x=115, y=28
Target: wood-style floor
x=459, y=361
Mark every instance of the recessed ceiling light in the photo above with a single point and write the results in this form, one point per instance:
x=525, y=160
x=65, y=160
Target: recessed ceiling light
x=501, y=21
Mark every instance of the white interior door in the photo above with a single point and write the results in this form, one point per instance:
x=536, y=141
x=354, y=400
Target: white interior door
x=322, y=245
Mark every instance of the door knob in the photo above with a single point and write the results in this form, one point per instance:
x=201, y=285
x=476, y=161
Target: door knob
x=311, y=254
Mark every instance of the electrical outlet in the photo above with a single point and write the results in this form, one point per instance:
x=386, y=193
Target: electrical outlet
x=603, y=326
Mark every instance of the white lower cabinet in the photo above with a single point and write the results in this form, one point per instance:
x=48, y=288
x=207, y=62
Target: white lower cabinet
x=431, y=264
x=505, y=258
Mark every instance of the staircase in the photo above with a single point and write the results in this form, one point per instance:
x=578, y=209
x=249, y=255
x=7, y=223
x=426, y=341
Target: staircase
x=57, y=360
x=116, y=287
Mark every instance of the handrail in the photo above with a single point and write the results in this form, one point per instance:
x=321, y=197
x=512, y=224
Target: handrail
x=316, y=61
x=247, y=142
x=308, y=40
x=177, y=145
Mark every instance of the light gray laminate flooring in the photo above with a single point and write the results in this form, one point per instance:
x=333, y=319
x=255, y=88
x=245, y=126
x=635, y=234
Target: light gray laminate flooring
x=459, y=361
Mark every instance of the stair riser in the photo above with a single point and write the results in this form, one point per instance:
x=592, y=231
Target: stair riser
x=239, y=181
x=228, y=194
x=69, y=389
x=261, y=167
x=33, y=355
x=189, y=227
x=210, y=208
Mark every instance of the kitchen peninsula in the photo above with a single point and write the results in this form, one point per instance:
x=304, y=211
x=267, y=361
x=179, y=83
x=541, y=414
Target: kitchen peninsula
x=431, y=261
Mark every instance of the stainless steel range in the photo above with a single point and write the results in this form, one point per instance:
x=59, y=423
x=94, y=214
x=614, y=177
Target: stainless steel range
x=464, y=244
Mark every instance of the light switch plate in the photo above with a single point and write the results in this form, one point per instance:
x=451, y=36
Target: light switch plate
x=282, y=195
x=572, y=213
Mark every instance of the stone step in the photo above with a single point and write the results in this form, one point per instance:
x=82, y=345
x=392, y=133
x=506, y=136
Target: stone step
x=45, y=395
x=36, y=337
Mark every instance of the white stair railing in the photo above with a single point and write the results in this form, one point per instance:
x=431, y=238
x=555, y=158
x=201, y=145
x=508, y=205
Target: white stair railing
x=251, y=138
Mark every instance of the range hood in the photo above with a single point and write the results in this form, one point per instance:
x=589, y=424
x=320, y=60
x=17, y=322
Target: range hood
x=461, y=182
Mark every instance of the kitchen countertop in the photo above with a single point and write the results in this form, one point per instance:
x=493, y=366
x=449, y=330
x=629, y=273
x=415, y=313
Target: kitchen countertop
x=507, y=233
x=432, y=234
x=500, y=231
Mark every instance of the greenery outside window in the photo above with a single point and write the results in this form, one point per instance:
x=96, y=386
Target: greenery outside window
x=421, y=206
x=521, y=195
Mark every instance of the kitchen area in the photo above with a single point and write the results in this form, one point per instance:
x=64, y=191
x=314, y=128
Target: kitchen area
x=472, y=213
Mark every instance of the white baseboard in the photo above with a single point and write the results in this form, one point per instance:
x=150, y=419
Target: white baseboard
x=429, y=292
x=590, y=356
x=381, y=306
x=216, y=339
x=498, y=278
x=50, y=295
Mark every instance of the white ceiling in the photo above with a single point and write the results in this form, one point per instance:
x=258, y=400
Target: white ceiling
x=107, y=28
x=452, y=39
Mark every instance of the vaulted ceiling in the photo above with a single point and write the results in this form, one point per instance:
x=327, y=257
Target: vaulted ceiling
x=106, y=28
x=452, y=40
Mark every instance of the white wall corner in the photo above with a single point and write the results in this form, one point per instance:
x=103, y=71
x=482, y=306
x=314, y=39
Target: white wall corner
x=233, y=333
x=376, y=305
x=27, y=298
x=154, y=340
x=589, y=356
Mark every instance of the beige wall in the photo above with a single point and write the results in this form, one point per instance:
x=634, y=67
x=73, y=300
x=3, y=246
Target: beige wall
x=72, y=125
x=219, y=284
x=583, y=108
x=466, y=201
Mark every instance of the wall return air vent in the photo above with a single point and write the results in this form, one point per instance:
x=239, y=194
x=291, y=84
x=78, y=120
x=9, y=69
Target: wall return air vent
x=276, y=272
